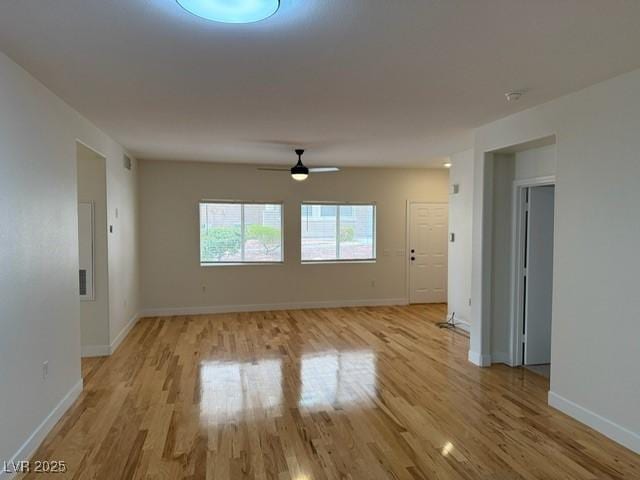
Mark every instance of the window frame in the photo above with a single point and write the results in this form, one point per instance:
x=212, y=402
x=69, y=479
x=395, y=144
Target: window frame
x=374, y=229
x=240, y=263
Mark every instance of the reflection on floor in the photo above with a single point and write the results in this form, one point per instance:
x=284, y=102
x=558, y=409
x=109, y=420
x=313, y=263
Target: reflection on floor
x=544, y=370
x=338, y=379
x=228, y=390
x=354, y=393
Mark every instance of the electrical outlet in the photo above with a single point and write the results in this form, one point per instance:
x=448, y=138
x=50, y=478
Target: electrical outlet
x=45, y=370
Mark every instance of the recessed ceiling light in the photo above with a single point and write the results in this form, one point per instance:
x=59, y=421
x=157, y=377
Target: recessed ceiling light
x=231, y=11
x=446, y=165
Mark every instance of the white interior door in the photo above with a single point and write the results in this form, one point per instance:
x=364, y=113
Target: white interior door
x=428, y=232
x=539, y=276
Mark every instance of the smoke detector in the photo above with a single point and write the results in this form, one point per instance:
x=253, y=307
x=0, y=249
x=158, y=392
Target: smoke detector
x=513, y=96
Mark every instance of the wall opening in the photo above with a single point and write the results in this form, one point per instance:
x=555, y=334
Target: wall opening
x=93, y=274
x=514, y=173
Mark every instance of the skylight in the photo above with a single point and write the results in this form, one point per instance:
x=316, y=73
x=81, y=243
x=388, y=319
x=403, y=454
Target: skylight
x=231, y=11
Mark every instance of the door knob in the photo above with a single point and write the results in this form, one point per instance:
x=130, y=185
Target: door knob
x=413, y=258
x=413, y=250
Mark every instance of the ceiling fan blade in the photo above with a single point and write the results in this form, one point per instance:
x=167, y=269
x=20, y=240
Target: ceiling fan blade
x=323, y=169
x=273, y=169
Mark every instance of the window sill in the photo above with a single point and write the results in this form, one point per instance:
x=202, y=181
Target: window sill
x=241, y=264
x=336, y=262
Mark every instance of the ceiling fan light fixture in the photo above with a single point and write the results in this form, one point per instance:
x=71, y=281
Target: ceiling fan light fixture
x=299, y=172
x=236, y=11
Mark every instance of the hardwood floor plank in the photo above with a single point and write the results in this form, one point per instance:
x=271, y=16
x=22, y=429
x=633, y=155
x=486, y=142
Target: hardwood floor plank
x=324, y=394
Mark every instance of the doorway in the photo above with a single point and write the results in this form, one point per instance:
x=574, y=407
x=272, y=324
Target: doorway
x=93, y=271
x=428, y=227
x=533, y=292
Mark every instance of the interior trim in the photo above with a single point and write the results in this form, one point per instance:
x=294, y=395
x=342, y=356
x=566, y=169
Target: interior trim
x=34, y=440
x=615, y=432
x=204, y=310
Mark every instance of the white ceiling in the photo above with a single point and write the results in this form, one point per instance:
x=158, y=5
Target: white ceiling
x=357, y=82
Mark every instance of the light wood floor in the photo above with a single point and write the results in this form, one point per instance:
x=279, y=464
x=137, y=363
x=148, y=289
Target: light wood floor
x=359, y=393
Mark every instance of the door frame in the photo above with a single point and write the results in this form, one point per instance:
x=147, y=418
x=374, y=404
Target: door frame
x=517, y=262
x=407, y=248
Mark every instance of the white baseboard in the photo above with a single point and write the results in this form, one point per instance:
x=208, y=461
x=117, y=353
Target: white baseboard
x=486, y=360
x=460, y=322
x=462, y=325
x=501, y=357
x=205, y=310
x=32, y=443
x=123, y=333
x=479, y=360
x=95, y=351
x=615, y=432
x=106, y=350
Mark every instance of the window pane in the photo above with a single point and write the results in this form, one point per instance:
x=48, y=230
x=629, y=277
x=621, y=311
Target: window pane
x=354, y=240
x=356, y=232
x=220, y=234
x=346, y=211
x=319, y=234
x=262, y=233
x=328, y=211
x=224, y=238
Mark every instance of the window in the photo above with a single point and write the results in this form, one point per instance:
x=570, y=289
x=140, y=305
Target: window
x=338, y=233
x=235, y=232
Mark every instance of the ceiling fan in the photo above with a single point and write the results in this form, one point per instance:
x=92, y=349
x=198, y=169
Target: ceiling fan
x=300, y=172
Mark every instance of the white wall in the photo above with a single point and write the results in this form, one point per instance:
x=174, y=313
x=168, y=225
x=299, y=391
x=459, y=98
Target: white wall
x=535, y=162
x=39, y=304
x=503, y=175
x=124, y=258
x=92, y=188
x=460, y=222
x=173, y=280
x=595, y=350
